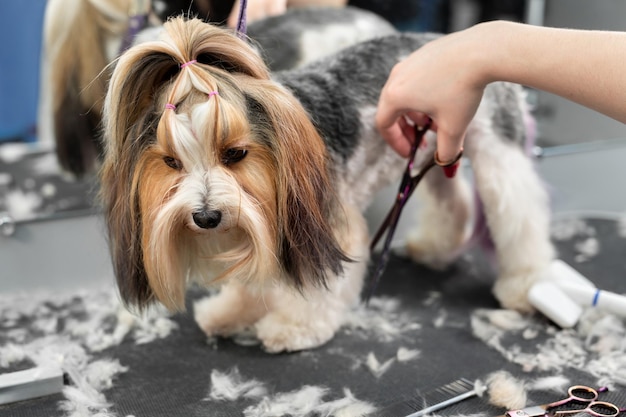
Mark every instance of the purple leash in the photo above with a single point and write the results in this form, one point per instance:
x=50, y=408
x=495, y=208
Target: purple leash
x=242, y=26
x=135, y=25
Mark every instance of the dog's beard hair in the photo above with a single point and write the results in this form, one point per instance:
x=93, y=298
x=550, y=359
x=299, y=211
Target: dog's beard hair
x=242, y=247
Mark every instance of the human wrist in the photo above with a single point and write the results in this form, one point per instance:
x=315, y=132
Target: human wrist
x=493, y=51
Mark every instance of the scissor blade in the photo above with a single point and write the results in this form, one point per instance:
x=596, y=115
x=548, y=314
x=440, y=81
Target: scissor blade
x=394, y=215
x=384, y=226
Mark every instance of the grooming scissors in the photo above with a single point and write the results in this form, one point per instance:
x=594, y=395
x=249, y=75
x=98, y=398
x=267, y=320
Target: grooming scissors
x=578, y=394
x=407, y=186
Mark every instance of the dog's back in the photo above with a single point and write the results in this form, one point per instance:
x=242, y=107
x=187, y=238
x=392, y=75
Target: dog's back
x=335, y=89
x=341, y=94
x=313, y=33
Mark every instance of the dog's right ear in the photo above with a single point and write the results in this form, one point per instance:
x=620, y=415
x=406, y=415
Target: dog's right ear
x=130, y=118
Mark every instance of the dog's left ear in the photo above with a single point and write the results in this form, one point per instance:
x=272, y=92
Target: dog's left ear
x=308, y=208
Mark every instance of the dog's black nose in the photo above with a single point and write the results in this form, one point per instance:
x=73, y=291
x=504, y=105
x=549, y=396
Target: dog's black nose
x=207, y=219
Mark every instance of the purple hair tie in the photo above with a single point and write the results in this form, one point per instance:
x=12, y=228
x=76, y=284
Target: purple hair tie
x=193, y=61
x=213, y=93
x=170, y=106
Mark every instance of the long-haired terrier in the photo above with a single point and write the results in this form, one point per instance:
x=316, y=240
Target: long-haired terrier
x=218, y=172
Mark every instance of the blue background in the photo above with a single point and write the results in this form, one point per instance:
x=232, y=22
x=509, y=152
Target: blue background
x=20, y=51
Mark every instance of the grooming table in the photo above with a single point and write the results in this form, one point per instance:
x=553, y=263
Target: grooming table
x=171, y=376
x=443, y=319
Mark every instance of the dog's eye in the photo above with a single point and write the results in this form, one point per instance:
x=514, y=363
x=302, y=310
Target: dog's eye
x=233, y=155
x=173, y=163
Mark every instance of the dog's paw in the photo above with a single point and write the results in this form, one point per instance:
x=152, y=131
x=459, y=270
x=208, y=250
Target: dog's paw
x=512, y=292
x=217, y=321
x=280, y=333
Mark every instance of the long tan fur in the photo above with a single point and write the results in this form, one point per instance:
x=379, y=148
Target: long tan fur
x=279, y=198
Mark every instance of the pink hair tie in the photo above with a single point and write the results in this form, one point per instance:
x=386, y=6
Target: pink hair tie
x=170, y=106
x=193, y=61
x=213, y=93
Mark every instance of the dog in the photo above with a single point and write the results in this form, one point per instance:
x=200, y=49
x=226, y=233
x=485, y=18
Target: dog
x=82, y=39
x=218, y=172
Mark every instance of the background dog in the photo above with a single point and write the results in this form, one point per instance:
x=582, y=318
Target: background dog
x=216, y=172
x=82, y=37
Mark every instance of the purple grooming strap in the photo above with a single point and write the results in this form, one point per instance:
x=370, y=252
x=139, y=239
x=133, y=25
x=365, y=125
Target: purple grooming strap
x=242, y=26
x=135, y=24
x=213, y=93
x=170, y=106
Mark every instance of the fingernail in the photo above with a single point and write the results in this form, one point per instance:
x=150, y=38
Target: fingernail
x=450, y=171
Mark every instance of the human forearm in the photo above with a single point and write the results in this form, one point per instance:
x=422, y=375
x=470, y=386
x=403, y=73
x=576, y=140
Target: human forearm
x=446, y=78
x=583, y=66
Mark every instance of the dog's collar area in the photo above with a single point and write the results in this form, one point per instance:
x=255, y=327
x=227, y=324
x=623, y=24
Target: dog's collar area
x=407, y=186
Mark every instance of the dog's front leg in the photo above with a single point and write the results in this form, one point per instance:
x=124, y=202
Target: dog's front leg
x=297, y=321
x=233, y=310
x=300, y=322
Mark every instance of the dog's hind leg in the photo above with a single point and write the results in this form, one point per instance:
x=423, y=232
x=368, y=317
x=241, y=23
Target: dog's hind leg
x=444, y=207
x=297, y=321
x=516, y=209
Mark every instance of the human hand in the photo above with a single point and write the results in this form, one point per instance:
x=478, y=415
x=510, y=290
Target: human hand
x=442, y=80
x=257, y=9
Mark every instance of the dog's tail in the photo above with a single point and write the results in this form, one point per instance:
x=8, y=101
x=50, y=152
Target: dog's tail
x=78, y=43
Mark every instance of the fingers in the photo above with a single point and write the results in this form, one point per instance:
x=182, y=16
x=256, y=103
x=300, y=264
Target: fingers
x=448, y=146
x=397, y=136
x=418, y=118
x=233, y=17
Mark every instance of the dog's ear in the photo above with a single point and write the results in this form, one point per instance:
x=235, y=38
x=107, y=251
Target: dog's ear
x=120, y=200
x=130, y=128
x=308, y=208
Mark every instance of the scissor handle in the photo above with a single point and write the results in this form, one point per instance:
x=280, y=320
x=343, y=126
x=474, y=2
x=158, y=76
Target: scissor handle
x=595, y=408
x=582, y=393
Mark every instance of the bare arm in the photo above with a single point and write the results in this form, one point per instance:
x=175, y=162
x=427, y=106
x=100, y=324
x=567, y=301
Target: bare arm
x=329, y=3
x=446, y=78
x=258, y=9
x=583, y=66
